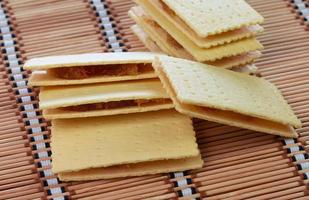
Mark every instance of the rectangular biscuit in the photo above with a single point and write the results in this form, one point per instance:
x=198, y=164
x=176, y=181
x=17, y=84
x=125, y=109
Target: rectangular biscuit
x=95, y=59
x=84, y=143
x=211, y=17
x=103, y=99
x=227, y=97
x=90, y=68
x=138, y=169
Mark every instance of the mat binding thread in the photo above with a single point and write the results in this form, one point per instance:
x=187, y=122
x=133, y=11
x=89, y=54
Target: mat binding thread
x=107, y=25
x=301, y=7
x=299, y=156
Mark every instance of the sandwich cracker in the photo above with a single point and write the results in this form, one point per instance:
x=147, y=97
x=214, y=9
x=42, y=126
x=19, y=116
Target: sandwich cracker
x=226, y=97
x=103, y=99
x=211, y=17
x=90, y=68
x=211, y=40
x=55, y=97
x=79, y=144
x=90, y=59
x=201, y=54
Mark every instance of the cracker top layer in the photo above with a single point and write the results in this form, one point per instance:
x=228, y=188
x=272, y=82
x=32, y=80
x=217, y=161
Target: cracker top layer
x=210, y=17
x=55, y=97
x=49, y=62
x=208, y=86
x=121, y=139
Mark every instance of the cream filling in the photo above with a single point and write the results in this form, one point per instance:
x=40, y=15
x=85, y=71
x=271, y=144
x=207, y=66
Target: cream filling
x=103, y=70
x=118, y=104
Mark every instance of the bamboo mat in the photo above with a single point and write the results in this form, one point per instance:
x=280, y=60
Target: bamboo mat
x=239, y=164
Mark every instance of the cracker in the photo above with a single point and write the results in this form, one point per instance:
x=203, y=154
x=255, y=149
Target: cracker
x=55, y=97
x=47, y=78
x=138, y=169
x=211, y=17
x=90, y=68
x=85, y=143
x=210, y=40
x=119, y=98
x=201, y=54
x=225, y=96
x=67, y=114
x=49, y=62
x=144, y=38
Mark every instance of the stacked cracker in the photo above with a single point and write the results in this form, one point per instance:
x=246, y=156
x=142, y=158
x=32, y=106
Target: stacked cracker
x=112, y=113
x=111, y=117
x=128, y=114
x=217, y=32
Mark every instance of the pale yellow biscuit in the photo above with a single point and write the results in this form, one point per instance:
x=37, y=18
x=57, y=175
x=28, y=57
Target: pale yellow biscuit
x=82, y=101
x=49, y=62
x=211, y=17
x=201, y=54
x=58, y=113
x=211, y=40
x=85, y=143
x=138, y=169
x=56, y=97
x=226, y=97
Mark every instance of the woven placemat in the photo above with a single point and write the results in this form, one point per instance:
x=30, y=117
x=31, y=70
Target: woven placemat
x=239, y=164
